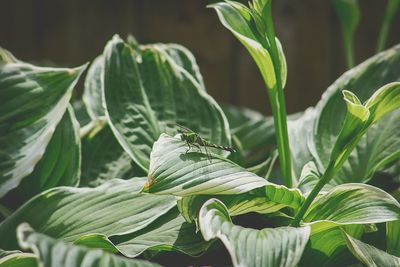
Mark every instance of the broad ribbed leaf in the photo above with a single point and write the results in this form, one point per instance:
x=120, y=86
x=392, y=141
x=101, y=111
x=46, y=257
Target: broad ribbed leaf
x=369, y=255
x=147, y=93
x=378, y=147
x=270, y=200
x=32, y=102
x=96, y=241
x=393, y=238
x=169, y=232
x=352, y=204
x=239, y=20
x=103, y=159
x=60, y=164
x=328, y=248
x=18, y=259
x=114, y=208
x=173, y=171
x=184, y=58
x=281, y=246
x=92, y=96
x=55, y=253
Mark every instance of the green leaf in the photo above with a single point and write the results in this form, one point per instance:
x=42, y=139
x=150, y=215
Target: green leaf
x=104, y=159
x=392, y=237
x=55, y=253
x=169, y=232
x=92, y=95
x=379, y=146
x=96, y=241
x=384, y=101
x=328, y=248
x=370, y=255
x=157, y=95
x=348, y=13
x=359, y=119
x=60, y=164
x=114, y=208
x=281, y=246
x=26, y=124
x=173, y=171
x=240, y=21
x=18, y=259
x=352, y=204
x=184, y=58
x=270, y=200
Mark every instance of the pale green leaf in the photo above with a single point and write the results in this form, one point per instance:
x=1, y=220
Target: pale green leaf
x=18, y=259
x=173, y=171
x=147, y=93
x=26, y=123
x=103, y=159
x=61, y=162
x=379, y=146
x=383, y=101
x=238, y=19
x=96, y=241
x=169, y=232
x=55, y=253
x=369, y=255
x=393, y=238
x=352, y=204
x=92, y=95
x=184, y=58
x=114, y=208
x=328, y=248
x=281, y=246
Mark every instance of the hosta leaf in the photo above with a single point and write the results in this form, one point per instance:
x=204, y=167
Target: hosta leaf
x=33, y=101
x=392, y=237
x=56, y=253
x=18, y=259
x=184, y=58
x=281, y=246
x=173, y=171
x=114, y=208
x=169, y=232
x=60, y=164
x=92, y=96
x=96, y=241
x=239, y=20
x=147, y=93
x=370, y=255
x=379, y=146
x=104, y=159
x=352, y=204
x=300, y=132
x=328, y=248
x=270, y=200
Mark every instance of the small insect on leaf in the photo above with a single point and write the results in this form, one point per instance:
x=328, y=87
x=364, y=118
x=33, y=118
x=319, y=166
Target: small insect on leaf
x=193, y=139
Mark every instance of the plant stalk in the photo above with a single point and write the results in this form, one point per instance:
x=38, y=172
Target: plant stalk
x=277, y=100
x=349, y=52
x=391, y=8
x=313, y=194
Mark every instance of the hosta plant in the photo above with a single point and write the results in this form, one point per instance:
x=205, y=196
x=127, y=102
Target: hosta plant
x=110, y=179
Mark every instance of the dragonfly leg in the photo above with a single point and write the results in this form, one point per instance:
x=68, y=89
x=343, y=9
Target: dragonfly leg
x=189, y=147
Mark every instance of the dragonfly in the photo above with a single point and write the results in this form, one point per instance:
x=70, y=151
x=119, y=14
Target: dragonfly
x=193, y=139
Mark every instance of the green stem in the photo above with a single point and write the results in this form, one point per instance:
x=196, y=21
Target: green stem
x=4, y=211
x=277, y=100
x=349, y=52
x=391, y=10
x=313, y=194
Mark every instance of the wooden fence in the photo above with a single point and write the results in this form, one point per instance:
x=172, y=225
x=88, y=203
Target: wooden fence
x=71, y=32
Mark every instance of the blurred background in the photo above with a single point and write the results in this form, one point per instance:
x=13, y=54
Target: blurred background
x=70, y=33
